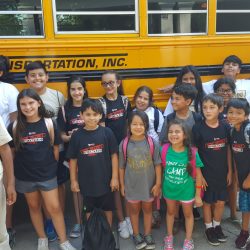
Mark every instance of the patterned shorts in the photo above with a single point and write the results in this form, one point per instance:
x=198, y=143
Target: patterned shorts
x=244, y=201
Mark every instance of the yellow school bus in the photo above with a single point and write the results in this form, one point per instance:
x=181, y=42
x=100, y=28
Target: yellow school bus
x=147, y=41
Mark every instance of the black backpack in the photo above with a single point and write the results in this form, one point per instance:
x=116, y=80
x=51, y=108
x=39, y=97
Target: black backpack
x=97, y=233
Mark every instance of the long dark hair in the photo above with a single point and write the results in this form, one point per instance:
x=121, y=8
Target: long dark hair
x=186, y=142
x=198, y=84
x=75, y=78
x=144, y=118
x=21, y=122
x=118, y=78
x=4, y=68
x=147, y=90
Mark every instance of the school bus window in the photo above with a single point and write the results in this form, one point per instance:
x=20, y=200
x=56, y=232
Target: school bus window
x=170, y=17
x=21, y=18
x=233, y=16
x=95, y=16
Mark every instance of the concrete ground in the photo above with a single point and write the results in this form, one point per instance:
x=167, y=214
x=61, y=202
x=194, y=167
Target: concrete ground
x=26, y=238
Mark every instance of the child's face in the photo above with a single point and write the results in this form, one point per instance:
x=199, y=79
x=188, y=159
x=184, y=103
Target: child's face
x=29, y=107
x=225, y=92
x=231, y=69
x=37, y=79
x=90, y=118
x=137, y=127
x=236, y=116
x=189, y=78
x=210, y=110
x=142, y=101
x=110, y=84
x=179, y=102
x=77, y=91
x=176, y=135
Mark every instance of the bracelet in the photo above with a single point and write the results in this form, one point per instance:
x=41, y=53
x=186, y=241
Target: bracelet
x=199, y=187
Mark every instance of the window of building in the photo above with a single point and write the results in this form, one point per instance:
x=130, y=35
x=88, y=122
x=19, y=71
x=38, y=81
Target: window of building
x=22, y=18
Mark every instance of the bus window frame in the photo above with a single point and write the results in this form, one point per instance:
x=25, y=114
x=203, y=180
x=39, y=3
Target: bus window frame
x=134, y=32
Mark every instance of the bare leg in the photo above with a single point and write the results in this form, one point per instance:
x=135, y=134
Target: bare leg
x=9, y=211
x=134, y=211
x=171, y=210
x=147, y=217
x=232, y=191
x=218, y=210
x=207, y=214
x=189, y=219
x=109, y=217
x=118, y=206
x=77, y=199
x=245, y=220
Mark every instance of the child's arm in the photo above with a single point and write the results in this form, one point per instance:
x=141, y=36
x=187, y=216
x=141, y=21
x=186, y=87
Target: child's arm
x=229, y=163
x=6, y=155
x=114, y=184
x=73, y=175
x=156, y=190
x=121, y=178
x=198, y=187
x=56, y=152
x=246, y=182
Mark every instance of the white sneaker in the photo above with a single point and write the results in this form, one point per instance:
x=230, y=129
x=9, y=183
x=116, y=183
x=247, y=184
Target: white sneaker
x=123, y=230
x=43, y=244
x=130, y=229
x=66, y=246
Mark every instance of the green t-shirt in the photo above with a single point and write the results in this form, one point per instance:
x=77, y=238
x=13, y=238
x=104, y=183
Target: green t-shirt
x=177, y=183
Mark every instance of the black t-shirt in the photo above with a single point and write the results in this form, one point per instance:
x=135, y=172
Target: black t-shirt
x=35, y=160
x=116, y=118
x=212, y=145
x=241, y=153
x=93, y=150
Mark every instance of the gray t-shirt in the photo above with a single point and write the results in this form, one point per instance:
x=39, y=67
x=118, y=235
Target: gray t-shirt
x=189, y=123
x=139, y=169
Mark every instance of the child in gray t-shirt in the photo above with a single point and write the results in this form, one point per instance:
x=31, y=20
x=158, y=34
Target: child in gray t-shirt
x=140, y=175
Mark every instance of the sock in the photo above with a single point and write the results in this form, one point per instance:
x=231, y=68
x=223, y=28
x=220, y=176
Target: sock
x=208, y=225
x=216, y=223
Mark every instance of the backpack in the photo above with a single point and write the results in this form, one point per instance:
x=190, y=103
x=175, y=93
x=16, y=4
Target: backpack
x=97, y=232
x=125, y=146
x=50, y=127
x=246, y=134
x=104, y=104
x=197, y=117
x=156, y=118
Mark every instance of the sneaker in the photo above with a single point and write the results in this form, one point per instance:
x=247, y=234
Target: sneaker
x=188, y=244
x=50, y=230
x=156, y=219
x=220, y=235
x=130, y=228
x=196, y=214
x=242, y=239
x=12, y=237
x=149, y=241
x=75, y=231
x=169, y=243
x=123, y=230
x=66, y=246
x=248, y=246
x=211, y=236
x=43, y=244
x=139, y=241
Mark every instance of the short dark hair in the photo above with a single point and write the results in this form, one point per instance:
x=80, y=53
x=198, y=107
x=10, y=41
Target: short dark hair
x=214, y=98
x=94, y=104
x=234, y=59
x=187, y=90
x=239, y=103
x=225, y=80
x=35, y=65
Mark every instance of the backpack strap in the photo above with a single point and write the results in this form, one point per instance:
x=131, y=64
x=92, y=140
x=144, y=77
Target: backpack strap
x=156, y=118
x=50, y=128
x=125, y=101
x=14, y=128
x=193, y=161
x=164, y=151
x=151, y=145
x=63, y=113
x=104, y=105
x=197, y=117
x=247, y=134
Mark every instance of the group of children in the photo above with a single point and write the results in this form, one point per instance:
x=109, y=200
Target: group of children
x=186, y=156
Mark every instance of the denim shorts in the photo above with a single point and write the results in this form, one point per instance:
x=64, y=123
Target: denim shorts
x=32, y=186
x=244, y=201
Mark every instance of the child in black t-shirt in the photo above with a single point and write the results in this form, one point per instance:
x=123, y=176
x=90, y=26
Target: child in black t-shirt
x=69, y=120
x=36, y=141
x=237, y=115
x=211, y=136
x=116, y=108
x=94, y=161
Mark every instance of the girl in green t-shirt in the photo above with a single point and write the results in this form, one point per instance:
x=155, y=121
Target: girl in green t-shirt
x=178, y=183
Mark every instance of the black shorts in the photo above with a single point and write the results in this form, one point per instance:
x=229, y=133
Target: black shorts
x=105, y=202
x=211, y=197
x=62, y=171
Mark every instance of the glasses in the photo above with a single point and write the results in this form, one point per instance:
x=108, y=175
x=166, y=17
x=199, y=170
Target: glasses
x=108, y=84
x=224, y=91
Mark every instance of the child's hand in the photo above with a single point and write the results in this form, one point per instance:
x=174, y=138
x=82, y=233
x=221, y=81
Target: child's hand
x=72, y=131
x=246, y=182
x=167, y=89
x=114, y=184
x=156, y=190
x=204, y=183
x=198, y=201
x=229, y=178
x=122, y=190
x=75, y=187
x=11, y=195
